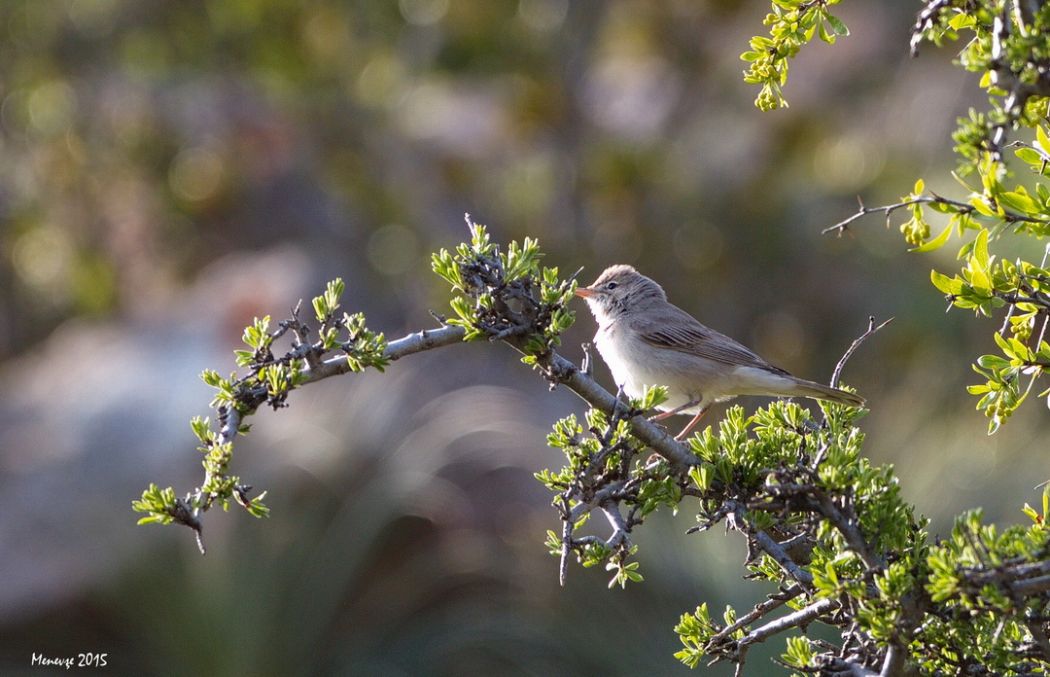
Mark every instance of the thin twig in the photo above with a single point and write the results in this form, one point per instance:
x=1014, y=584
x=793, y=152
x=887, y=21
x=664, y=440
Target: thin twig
x=925, y=21
x=837, y=373
x=959, y=207
x=853, y=347
x=1042, y=332
x=588, y=389
x=850, y=531
x=774, y=601
x=566, y=542
x=738, y=514
x=803, y=616
x=1039, y=636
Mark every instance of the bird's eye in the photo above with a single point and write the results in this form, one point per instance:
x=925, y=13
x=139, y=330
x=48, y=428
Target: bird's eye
x=611, y=286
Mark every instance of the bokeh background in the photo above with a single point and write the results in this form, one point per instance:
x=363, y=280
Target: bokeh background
x=169, y=170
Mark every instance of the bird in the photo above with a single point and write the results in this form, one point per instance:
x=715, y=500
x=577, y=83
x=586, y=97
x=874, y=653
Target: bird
x=646, y=340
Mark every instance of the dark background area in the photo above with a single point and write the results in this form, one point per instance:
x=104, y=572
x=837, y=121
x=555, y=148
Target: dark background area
x=170, y=170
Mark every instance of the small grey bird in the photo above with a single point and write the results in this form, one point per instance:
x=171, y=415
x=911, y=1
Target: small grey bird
x=646, y=341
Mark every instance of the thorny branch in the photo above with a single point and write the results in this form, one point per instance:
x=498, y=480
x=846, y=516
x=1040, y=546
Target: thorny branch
x=1017, y=83
x=888, y=210
x=189, y=510
x=834, y=382
x=614, y=479
x=615, y=491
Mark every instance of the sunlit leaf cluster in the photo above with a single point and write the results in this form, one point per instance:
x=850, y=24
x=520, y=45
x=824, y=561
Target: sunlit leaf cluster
x=792, y=24
x=1003, y=154
x=270, y=378
x=506, y=295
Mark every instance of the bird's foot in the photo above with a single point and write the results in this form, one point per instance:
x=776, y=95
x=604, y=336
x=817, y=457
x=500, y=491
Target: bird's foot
x=677, y=410
x=692, y=424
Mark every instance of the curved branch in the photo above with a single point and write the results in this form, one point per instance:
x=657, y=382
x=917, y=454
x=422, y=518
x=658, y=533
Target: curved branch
x=801, y=617
x=853, y=347
x=663, y=443
x=958, y=207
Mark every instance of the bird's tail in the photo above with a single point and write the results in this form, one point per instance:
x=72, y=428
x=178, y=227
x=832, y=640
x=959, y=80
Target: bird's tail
x=822, y=392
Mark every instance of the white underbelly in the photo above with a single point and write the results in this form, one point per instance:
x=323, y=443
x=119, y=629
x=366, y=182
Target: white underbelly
x=636, y=367
x=689, y=379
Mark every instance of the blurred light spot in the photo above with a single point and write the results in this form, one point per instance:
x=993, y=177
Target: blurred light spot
x=615, y=240
x=543, y=15
x=144, y=54
x=468, y=122
x=234, y=16
x=528, y=186
x=847, y=163
x=74, y=146
x=12, y=111
x=380, y=80
x=393, y=249
x=427, y=110
x=631, y=95
x=196, y=174
x=51, y=107
x=41, y=257
x=327, y=36
x=698, y=245
x=93, y=18
x=779, y=337
x=93, y=284
x=423, y=12
x=125, y=111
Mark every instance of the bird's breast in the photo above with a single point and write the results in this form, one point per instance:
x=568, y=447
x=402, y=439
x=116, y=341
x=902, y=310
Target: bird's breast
x=636, y=365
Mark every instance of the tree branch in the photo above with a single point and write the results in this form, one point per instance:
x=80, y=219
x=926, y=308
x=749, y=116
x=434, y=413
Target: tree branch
x=738, y=514
x=853, y=347
x=958, y=207
x=565, y=372
x=395, y=350
x=774, y=601
x=801, y=617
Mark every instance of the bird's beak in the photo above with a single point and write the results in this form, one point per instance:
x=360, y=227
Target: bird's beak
x=584, y=292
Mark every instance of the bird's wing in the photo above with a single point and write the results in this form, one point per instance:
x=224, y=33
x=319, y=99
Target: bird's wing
x=676, y=329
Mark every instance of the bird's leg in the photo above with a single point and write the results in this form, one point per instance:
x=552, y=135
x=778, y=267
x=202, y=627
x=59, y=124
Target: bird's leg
x=677, y=410
x=692, y=424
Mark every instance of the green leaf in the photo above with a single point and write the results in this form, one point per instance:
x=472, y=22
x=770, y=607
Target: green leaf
x=947, y=285
x=1019, y=201
x=837, y=25
x=980, y=249
x=977, y=266
x=981, y=205
x=961, y=20
x=1030, y=155
x=825, y=35
x=935, y=243
x=1042, y=138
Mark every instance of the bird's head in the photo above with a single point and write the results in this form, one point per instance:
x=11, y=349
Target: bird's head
x=620, y=289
